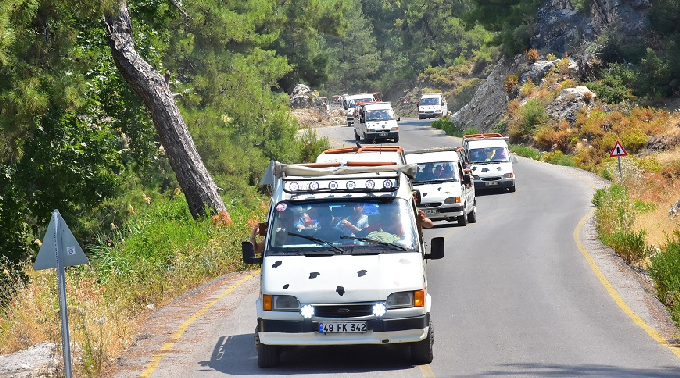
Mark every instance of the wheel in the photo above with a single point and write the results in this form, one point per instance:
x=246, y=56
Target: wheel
x=267, y=355
x=421, y=352
x=472, y=216
x=356, y=136
x=420, y=117
x=512, y=189
x=462, y=220
x=396, y=139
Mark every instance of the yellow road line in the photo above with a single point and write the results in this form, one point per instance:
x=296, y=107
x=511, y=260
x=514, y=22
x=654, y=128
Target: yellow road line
x=612, y=292
x=427, y=371
x=156, y=360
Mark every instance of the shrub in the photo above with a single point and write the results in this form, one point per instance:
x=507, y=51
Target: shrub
x=665, y=271
x=448, y=126
x=533, y=114
x=558, y=158
x=629, y=245
x=532, y=55
x=526, y=151
x=510, y=84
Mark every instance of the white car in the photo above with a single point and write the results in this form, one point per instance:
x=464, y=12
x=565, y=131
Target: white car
x=350, y=102
x=445, y=188
x=490, y=160
x=376, y=122
x=432, y=105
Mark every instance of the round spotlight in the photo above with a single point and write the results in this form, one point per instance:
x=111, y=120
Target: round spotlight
x=294, y=186
x=351, y=185
x=370, y=184
x=307, y=311
x=333, y=185
x=387, y=184
x=379, y=309
x=314, y=185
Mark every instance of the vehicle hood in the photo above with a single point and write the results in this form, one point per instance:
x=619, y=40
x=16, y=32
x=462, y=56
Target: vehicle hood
x=438, y=192
x=491, y=169
x=342, y=278
x=381, y=125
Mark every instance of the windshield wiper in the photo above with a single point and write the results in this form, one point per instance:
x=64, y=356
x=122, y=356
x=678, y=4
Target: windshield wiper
x=315, y=239
x=374, y=241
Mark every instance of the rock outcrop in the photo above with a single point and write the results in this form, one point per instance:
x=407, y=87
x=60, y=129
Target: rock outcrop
x=304, y=98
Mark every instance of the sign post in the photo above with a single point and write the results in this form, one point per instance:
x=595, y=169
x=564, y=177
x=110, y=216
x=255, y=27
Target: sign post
x=59, y=250
x=618, y=151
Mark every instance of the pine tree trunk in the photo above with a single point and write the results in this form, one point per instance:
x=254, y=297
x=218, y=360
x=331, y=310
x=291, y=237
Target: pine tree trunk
x=196, y=183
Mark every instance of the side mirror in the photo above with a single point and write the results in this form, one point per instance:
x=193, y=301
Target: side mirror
x=249, y=253
x=436, y=248
x=416, y=196
x=398, y=119
x=514, y=160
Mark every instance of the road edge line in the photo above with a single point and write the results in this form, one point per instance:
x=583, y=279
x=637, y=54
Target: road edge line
x=614, y=294
x=156, y=359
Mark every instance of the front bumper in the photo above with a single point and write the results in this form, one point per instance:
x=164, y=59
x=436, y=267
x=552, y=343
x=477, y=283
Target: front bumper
x=493, y=182
x=306, y=332
x=429, y=114
x=441, y=211
x=375, y=135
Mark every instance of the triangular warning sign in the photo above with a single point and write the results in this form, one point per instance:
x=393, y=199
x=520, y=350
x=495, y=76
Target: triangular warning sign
x=618, y=150
x=59, y=239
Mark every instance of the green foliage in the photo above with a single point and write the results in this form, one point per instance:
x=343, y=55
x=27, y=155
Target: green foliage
x=533, y=114
x=582, y=5
x=558, y=158
x=513, y=20
x=665, y=271
x=526, y=151
x=630, y=245
x=312, y=145
x=613, y=86
x=448, y=126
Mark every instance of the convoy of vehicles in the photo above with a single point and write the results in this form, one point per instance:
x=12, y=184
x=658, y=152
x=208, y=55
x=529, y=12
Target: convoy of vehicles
x=432, y=105
x=326, y=283
x=349, y=103
x=376, y=121
x=445, y=187
x=490, y=161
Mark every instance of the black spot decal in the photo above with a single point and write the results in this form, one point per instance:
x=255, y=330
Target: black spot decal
x=313, y=275
x=285, y=286
x=340, y=290
x=277, y=264
x=361, y=273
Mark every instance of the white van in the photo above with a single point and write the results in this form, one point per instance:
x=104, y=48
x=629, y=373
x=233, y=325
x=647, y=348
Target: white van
x=349, y=103
x=376, y=122
x=432, y=105
x=344, y=262
x=490, y=160
x=445, y=188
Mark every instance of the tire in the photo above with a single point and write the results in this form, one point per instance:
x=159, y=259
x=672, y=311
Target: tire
x=462, y=220
x=422, y=351
x=396, y=139
x=512, y=189
x=268, y=356
x=420, y=117
x=356, y=136
x=472, y=216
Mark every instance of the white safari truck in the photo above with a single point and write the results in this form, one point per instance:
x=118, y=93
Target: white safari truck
x=349, y=103
x=376, y=122
x=432, y=105
x=325, y=282
x=445, y=189
x=364, y=155
x=490, y=161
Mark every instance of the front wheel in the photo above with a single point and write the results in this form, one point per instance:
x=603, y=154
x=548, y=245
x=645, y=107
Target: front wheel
x=422, y=351
x=267, y=355
x=396, y=139
x=462, y=220
x=356, y=136
x=472, y=216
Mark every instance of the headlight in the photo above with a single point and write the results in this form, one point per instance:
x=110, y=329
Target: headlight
x=280, y=303
x=451, y=200
x=401, y=299
x=508, y=175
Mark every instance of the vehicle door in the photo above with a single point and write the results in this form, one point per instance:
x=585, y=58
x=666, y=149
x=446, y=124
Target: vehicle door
x=467, y=188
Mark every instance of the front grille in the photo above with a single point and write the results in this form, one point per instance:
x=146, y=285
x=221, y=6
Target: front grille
x=343, y=311
x=491, y=178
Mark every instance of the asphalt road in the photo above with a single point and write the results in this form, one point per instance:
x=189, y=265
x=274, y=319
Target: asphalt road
x=525, y=291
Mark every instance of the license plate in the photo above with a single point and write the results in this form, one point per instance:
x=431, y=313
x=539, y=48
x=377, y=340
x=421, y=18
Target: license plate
x=430, y=212
x=491, y=183
x=337, y=327
x=383, y=134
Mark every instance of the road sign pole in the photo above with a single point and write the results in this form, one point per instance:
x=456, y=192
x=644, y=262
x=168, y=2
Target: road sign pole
x=620, y=173
x=63, y=308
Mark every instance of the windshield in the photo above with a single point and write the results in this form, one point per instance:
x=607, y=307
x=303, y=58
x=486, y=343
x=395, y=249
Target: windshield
x=344, y=226
x=379, y=115
x=489, y=154
x=436, y=171
x=429, y=101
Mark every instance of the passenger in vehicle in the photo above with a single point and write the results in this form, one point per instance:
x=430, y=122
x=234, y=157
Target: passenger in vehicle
x=356, y=222
x=428, y=173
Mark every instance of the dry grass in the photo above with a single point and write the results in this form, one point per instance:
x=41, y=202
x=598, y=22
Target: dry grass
x=313, y=118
